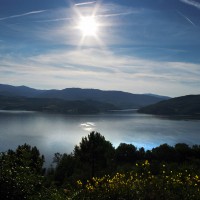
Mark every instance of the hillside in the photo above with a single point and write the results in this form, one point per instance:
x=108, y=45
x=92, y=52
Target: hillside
x=122, y=100
x=9, y=90
x=53, y=105
x=186, y=105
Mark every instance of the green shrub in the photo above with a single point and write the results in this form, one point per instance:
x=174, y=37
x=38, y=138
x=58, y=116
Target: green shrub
x=142, y=184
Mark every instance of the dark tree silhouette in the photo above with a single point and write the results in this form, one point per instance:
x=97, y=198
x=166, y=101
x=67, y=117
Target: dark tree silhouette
x=164, y=153
x=183, y=152
x=65, y=168
x=20, y=173
x=95, y=152
x=125, y=153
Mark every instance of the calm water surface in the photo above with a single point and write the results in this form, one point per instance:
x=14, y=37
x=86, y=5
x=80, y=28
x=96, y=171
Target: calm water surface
x=53, y=133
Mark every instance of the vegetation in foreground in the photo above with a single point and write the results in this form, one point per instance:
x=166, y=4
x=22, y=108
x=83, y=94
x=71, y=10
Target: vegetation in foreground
x=142, y=183
x=96, y=170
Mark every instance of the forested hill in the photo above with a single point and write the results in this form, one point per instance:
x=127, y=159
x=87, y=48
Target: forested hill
x=54, y=105
x=122, y=100
x=185, y=105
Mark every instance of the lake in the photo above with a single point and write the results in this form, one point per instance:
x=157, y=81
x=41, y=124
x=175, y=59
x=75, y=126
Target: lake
x=53, y=133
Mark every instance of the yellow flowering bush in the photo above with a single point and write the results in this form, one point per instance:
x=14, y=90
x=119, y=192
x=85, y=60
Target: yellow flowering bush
x=142, y=184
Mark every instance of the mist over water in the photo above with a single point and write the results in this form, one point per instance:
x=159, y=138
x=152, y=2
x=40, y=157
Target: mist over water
x=53, y=133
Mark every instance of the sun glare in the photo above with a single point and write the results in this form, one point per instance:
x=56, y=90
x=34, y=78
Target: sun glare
x=88, y=26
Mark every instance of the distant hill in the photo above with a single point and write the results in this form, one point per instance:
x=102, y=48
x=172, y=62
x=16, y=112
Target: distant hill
x=155, y=95
x=122, y=100
x=9, y=90
x=53, y=105
x=181, y=106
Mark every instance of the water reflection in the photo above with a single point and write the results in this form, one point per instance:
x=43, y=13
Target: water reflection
x=88, y=126
x=53, y=133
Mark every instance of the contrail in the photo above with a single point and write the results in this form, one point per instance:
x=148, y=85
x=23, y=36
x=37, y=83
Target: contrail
x=116, y=14
x=54, y=20
x=21, y=15
x=85, y=3
x=70, y=18
x=191, y=22
x=192, y=3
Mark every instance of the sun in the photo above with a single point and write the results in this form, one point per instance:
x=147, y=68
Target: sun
x=88, y=26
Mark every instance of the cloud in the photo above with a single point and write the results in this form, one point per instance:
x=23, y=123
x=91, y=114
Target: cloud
x=58, y=26
x=192, y=3
x=97, y=61
x=55, y=20
x=101, y=11
x=118, y=14
x=92, y=66
x=23, y=14
x=85, y=3
x=142, y=27
x=96, y=68
x=186, y=18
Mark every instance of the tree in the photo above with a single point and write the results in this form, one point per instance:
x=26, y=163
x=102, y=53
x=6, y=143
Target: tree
x=125, y=153
x=95, y=152
x=164, y=153
x=141, y=153
x=65, y=168
x=20, y=173
x=196, y=151
x=30, y=157
x=183, y=151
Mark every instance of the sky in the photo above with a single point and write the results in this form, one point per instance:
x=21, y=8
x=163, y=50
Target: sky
x=139, y=46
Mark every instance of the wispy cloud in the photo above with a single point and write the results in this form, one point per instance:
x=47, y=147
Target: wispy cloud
x=102, y=69
x=55, y=20
x=192, y=3
x=118, y=14
x=63, y=64
x=85, y=3
x=23, y=14
x=186, y=18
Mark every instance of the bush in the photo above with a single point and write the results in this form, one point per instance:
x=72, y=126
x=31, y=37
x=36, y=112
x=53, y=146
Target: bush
x=142, y=184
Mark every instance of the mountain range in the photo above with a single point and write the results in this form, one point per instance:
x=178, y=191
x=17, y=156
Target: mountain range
x=119, y=99
x=89, y=101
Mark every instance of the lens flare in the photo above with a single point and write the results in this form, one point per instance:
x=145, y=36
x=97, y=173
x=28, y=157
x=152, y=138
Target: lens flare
x=88, y=26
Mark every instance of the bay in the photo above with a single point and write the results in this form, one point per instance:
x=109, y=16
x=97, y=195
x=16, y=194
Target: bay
x=52, y=133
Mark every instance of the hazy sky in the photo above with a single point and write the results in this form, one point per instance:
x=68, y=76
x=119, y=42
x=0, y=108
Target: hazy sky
x=140, y=46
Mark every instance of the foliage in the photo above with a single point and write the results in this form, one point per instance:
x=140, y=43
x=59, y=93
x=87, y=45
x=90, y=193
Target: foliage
x=65, y=169
x=20, y=173
x=171, y=172
x=95, y=156
x=125, y=153
x=94, y=151
x=142, y=184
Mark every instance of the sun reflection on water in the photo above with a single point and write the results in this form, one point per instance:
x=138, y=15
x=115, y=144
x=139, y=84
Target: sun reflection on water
x=88, y=126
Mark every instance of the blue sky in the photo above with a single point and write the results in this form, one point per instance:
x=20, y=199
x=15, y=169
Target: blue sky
x=141, y=46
